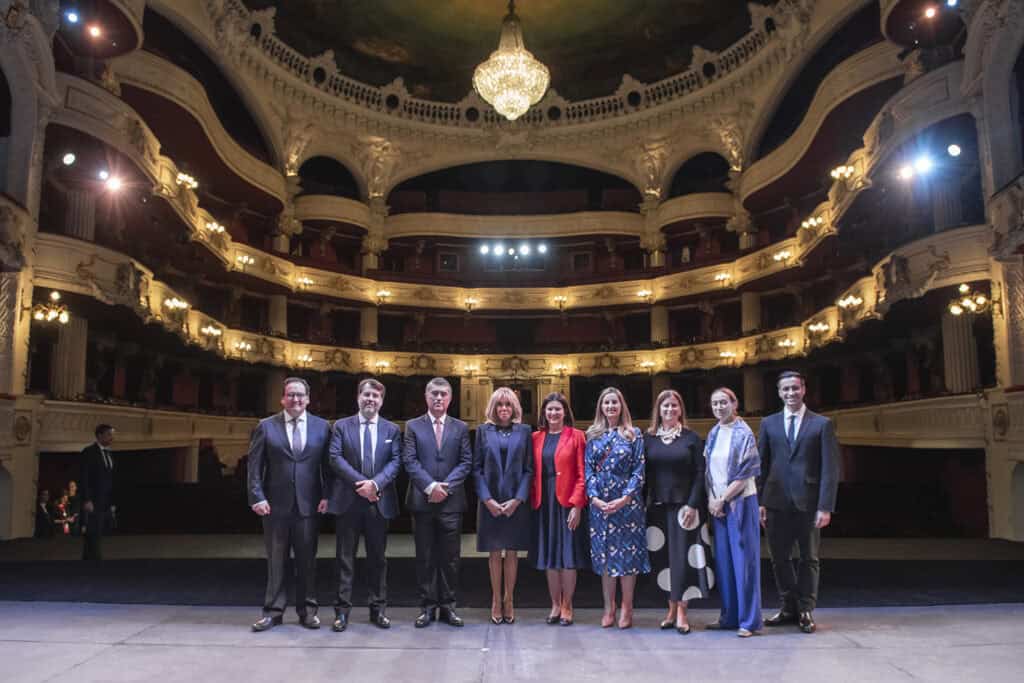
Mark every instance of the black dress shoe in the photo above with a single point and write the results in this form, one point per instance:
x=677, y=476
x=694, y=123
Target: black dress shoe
x=449, y=617
x=340, y=623
x=380, y=620
x=312, y=622
x=807, y=624
x=783, y=617
x=424, y=619
x=552, y=620
x=266, y=623
x=565, y=622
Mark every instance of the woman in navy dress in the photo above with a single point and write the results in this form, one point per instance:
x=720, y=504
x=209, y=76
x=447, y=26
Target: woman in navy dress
x=503, y=465
x=615, y=477
x=560, y=527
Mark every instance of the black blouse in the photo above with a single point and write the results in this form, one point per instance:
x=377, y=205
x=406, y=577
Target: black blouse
x=675, y=471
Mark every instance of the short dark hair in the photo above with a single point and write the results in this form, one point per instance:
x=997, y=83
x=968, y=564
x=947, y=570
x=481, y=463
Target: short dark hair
x=102, y=429
x=789, y=374
x=542, y=420
x=294, y=380
x=439, y=382
x=372, y=383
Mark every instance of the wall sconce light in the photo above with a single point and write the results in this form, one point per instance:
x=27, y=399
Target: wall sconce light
x=561, y=369
x=722, y=277
x=812, y=223
x=470, y=302
x=818, y=328
x=243, y=346
x=969, y=301
x=215, y=227
x=849, y=301
x=185, y=180
x=842, y=172
x=381, y=366
x=211, y=331
x=382, y=296
x=305, y=359
x=646, y=294
x=728, y=355
x=53, y=311
x=648, y=365
x=305, y=282
x=782, y=255
x=175, y=304
x=470, y=370
x=786, y=343
x=244, y=260
x=561, y=300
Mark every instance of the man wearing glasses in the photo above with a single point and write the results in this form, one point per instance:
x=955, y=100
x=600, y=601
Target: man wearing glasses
x=287, y=455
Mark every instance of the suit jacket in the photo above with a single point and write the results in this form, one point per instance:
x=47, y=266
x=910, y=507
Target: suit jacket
x=284, y=479
x=499, y=480
x=96, y=482
x=346, y=461
x=804, y=477
x=426, y=463
x=569, y=478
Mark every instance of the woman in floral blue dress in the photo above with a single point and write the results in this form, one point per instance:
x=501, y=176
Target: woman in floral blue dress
x=614, y=464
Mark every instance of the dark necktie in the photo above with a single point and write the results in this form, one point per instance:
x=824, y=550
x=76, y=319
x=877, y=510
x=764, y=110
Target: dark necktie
x=367, y=451
x=296, y=437
x=791, y=432
x=107, y=462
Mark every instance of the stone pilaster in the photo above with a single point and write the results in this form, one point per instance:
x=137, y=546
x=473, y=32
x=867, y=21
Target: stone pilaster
x=750, y=311
x=274, y=387
x=368, y=326
x=659, y=325
x=278, y=315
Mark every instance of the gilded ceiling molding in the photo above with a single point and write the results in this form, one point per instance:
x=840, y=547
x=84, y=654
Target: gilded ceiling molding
x=73, y=265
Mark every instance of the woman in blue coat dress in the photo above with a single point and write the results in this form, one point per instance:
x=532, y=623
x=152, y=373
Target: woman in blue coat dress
x=614, y=463
x=503, y=465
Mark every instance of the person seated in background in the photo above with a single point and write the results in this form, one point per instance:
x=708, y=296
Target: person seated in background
x=44, y=520
x=75, y=508
x=62, y=519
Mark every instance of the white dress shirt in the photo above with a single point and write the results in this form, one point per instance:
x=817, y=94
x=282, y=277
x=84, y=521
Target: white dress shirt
x=373, y=439
x=433, y=427
x=799, y=420
x=290, y=427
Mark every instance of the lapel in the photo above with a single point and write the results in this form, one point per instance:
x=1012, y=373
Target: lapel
x=446, y=432
x=513, y=443
x=805, y=424
x=379, y=452
x=352, y=436
x=282, y=430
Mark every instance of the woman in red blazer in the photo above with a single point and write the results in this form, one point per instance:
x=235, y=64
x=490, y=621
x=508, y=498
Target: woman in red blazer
x=560, y=531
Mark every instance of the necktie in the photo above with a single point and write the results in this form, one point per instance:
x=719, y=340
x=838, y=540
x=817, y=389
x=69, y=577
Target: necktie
x=106, y=459
x=296, y=437
x=791, y=432
x=438, y=430
x=367, y=451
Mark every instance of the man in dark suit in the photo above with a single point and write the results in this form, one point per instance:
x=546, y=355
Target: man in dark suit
x=365, y=456
x=287, y=456
x=438, y=458
x=97, y=486
x=797, y=489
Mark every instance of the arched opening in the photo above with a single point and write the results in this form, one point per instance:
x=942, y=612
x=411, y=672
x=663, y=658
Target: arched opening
x=324, y=175
x=706, y=172
x=515, y=188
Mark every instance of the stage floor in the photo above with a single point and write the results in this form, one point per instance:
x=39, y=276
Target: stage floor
x=88, y=642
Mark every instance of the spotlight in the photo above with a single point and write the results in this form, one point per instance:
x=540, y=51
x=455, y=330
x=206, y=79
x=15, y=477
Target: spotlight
x=951, y=3
x=114, y=184
x=511, y=251
x=953, y=150
x=104, y=174
x=906, y=172
x=484, y=249
x=499, y=249
x=542, y=248
x=71, y=16
x=524, y=249
x=923, y=164
x=95, y=31
x=930, y=13
x=68, y=159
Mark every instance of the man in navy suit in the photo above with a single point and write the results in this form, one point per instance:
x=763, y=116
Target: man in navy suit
x=365, y=456
x=287, y=456
x=97, y=491
x=438, y=459
x=797, y=489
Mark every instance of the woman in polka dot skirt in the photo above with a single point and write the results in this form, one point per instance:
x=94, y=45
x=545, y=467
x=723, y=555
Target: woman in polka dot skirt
x=675, y=508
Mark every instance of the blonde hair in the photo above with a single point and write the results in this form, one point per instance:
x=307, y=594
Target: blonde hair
x=503, y=395
x=600, y=425
x=656, y=413
x=729, y=394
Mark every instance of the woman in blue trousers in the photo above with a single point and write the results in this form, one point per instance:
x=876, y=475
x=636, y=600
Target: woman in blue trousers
x=731, y=469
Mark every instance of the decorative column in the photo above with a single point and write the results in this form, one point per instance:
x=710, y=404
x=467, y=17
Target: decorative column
x=960, y=354
x=652, y=240
x=753, y=390
x=474, y=395
x=659, y=325
x=187, y=464
x=659, y=383
x=273, y=388
x=278, y=315
x=742, y=223
x=67, y=366
x=1008, y=321
x=750, y=312
x=368, y=326
x=374, y=242
x=80, y=218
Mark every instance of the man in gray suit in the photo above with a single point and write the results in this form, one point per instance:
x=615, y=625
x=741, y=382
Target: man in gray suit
x=438, y=459
x=287, y=455
x=797, y=489
x=365, y=456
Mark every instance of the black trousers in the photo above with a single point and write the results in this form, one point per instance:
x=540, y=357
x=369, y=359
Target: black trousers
x=95, y=524
x=362, y=519
x=438, y=546
x=798, y=590
x=285, y=535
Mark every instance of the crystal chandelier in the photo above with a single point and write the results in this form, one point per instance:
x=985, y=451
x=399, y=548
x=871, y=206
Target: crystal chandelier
x=511, y=80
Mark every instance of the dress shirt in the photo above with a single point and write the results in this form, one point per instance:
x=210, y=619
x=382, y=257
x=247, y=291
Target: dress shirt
x=433, y=422
x=108, y=462
x=290, y=427
x=799, y=420
x=373, y=442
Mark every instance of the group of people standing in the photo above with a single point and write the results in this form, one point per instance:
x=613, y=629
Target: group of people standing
x=571, y=500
